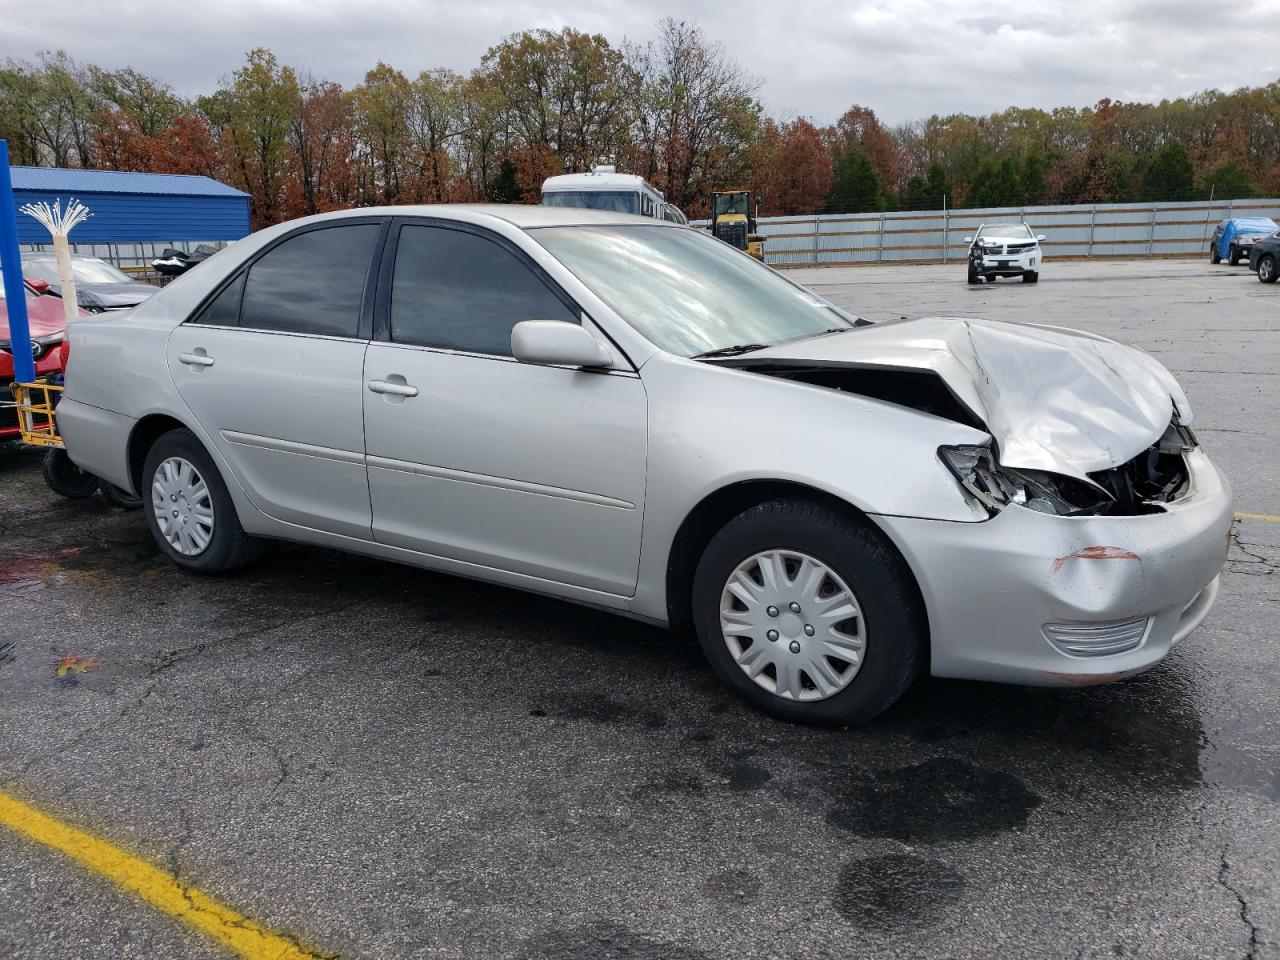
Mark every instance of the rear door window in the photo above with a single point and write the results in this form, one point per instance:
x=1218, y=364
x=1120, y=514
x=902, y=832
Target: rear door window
x=313, y=282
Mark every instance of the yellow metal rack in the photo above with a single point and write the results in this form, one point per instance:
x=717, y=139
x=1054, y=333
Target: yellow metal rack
x=35, y=402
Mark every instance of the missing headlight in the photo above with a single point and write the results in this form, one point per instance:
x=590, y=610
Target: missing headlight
x=995, y=487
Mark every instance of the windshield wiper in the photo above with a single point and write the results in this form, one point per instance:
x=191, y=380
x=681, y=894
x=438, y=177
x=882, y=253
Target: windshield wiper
x=732, y=351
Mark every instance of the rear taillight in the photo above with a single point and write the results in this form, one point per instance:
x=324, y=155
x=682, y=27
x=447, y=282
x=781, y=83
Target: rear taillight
x=64, y=351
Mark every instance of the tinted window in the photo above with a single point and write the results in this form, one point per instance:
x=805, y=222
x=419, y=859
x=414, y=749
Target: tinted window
x=311, y=283
x=224, y=309
x=458, y=290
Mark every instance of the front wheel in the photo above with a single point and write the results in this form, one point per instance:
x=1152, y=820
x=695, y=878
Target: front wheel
x=188, y=508
x=973, y=274
x=808, y=613
x=1214, y=256
x=1234, y=257
x=1267, y=269
x=1031, y=276
x=65, y=478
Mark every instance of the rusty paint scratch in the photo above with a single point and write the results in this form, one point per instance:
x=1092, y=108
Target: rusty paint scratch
x=1096, y=553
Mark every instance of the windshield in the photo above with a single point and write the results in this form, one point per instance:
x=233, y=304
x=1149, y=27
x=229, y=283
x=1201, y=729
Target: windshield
x=1005, y=231
x=615, y=201
x=84, y=269
x=687, y=292
x=731, y=203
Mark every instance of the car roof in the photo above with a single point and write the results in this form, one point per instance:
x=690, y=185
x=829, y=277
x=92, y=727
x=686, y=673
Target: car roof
x=522, y=215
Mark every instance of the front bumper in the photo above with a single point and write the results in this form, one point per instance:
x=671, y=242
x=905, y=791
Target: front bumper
x=990, y=588
x=1008, y=265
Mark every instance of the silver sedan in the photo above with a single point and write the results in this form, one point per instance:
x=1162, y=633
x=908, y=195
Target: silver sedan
x=635, y=416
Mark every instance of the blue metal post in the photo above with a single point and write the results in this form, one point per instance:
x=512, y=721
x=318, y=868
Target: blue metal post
x=15, y=294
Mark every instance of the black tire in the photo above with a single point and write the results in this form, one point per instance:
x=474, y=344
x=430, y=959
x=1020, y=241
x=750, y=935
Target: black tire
x=1234, y=257
x=119, y=497
x=892, y=613
x=229, y=547
x=973, y=274
x=1031, y=276
x=1213, y=255
x=65, y=478
x=1267, y=269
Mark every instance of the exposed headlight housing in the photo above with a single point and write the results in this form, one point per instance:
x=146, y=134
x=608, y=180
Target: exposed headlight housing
x=995, y=487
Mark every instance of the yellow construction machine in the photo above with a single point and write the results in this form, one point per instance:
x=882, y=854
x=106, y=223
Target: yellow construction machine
x=733, y=220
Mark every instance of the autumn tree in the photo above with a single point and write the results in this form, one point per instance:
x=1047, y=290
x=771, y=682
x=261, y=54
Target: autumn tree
x=565, y=90
x=323, y=147
x=251, y=115
x=694, y=115
x=381, y=106
x=791, y=168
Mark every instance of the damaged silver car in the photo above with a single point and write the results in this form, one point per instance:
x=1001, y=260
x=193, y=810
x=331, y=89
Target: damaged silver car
x=634, y=416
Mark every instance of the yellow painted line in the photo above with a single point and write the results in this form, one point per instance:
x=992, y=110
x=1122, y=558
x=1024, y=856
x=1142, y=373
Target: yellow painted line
x=1267, y=517
x=158, y=887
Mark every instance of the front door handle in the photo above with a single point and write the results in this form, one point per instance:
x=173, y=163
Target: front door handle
x=197, y=359
x=395, y=389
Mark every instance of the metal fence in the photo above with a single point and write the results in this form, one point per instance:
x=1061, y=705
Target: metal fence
x=937, y=236
x=131, y=257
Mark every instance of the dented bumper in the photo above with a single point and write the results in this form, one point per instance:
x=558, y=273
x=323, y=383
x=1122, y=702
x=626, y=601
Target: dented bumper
x=992, y=588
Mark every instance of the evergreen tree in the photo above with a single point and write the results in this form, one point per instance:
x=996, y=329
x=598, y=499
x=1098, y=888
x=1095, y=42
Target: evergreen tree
x=855, y=188
x=1229, y=181
x=503, y=188
x=1169, y=174
x=997, y=183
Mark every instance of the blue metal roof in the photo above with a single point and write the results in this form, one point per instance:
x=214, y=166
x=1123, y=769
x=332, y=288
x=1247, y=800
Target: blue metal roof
x=77, y=182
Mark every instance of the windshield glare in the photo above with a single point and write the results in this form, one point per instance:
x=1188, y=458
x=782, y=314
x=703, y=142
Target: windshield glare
x=1005, y=231
x=85, y=270
x=685, y=291
x=615, y=201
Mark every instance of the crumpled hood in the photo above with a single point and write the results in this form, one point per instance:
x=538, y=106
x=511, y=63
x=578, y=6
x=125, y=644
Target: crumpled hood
x=1053, y=399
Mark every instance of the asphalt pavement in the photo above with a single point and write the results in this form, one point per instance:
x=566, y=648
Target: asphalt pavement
x=380, y=762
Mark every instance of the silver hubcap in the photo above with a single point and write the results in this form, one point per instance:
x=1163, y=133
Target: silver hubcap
x=1265, y=268
x=792, y=625
x=183, y=507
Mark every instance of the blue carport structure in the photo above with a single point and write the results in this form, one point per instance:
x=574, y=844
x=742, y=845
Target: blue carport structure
x=133, y=208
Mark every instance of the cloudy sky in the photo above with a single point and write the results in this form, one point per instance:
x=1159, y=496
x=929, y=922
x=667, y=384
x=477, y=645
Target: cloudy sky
x=904, y=58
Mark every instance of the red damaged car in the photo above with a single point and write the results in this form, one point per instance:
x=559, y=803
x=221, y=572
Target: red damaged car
x=48, y=330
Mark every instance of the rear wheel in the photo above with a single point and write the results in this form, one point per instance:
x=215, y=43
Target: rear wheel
x=65, y=478
x=808, y=614
x=1031, y=276
x=119, y=497
x=189, y=510
x=1267, y=269
x=1213, y=254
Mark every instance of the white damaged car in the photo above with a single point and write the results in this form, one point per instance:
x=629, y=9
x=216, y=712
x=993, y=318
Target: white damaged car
x=1004, y=250
x=635, y=416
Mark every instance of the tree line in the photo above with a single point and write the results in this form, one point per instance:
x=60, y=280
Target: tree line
x=677, y=110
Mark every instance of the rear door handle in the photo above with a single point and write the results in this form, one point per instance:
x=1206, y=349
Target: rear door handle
x=196, y=359
x=395, y=389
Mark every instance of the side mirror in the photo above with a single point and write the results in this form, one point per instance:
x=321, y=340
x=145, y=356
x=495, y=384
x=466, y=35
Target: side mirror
x=557, y=343
x=1039, y=237
x=968, y=239
x=38, y=287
